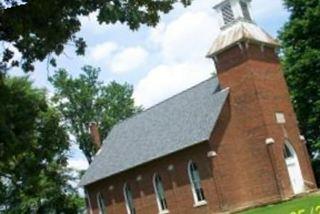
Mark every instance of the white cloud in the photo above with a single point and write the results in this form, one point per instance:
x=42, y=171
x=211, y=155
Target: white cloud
x=78, y=163
x=77, y=160
x=187, y=37
x=156, y=34
x=183, y=44
x=128, y=59
x=103, y=50
x=91, y=26
x=167, y=80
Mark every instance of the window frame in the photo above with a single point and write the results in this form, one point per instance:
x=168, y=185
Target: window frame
x=100, y=199
x=292, y=152
x=287, y=152
x=158, y=199
x=129, y=203
x=280, y=117
x=197, y=201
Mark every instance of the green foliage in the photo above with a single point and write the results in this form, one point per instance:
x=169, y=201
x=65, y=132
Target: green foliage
x=301, y=47
x=41, y=28
x=85, y=99
x=33, y=173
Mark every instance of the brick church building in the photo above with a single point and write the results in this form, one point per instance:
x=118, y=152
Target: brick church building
x=229, y=143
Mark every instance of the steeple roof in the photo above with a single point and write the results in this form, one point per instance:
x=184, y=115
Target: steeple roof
x=237, y=26
x=240, y=31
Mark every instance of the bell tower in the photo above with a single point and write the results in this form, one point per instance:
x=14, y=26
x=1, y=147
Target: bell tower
x=240, y=38
x=233, y=11
x=259, y=111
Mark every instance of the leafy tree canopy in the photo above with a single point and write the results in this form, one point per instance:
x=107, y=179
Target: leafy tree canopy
x=301, y=60
x=39, y=29
x=85, y=99
x=33, y=146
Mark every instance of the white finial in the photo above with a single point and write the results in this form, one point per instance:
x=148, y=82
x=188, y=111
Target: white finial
x=231, y=11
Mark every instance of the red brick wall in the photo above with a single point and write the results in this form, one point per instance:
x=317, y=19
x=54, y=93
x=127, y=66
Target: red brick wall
x=246, y=172
x=176, y=183
x=242, y=166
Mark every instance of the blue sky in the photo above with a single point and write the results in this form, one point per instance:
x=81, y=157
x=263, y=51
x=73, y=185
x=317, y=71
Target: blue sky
x=159, y=61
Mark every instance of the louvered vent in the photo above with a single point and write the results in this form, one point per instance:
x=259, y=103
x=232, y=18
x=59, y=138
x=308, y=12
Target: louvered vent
x=227, y=13
x=245, y=10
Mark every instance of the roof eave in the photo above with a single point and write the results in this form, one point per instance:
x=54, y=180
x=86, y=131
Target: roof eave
x=214, y=53
x=83, y=184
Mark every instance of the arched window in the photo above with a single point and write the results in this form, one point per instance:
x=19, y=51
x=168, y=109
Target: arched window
x=160, y=194
x=195, y=182
x=101, y=203
x=287, y=152
x=128, y=199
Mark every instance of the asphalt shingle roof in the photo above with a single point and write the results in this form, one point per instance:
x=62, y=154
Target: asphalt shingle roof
x=177, y=123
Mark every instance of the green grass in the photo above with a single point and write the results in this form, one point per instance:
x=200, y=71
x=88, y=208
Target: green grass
x=306, y=205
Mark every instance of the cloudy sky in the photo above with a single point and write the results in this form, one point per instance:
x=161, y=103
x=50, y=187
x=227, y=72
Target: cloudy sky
x=159, y=61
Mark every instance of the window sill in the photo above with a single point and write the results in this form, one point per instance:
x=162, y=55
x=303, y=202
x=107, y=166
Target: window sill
x=164, y=212
x=200, y=203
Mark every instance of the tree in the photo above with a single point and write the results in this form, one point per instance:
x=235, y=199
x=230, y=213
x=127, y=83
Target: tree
x=301, y=61
x=33, y=168
x=40, y=29
x=85, y=99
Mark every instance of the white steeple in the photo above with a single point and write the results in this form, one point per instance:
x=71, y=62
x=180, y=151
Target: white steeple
x=232, y=11
x=237, y=26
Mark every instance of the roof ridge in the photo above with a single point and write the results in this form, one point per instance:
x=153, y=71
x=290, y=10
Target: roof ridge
x=163, y=101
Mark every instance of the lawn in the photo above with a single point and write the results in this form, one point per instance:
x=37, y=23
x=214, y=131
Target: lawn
x=306, y=205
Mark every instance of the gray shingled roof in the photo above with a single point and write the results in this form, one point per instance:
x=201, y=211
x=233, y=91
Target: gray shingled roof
x=177, y=123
